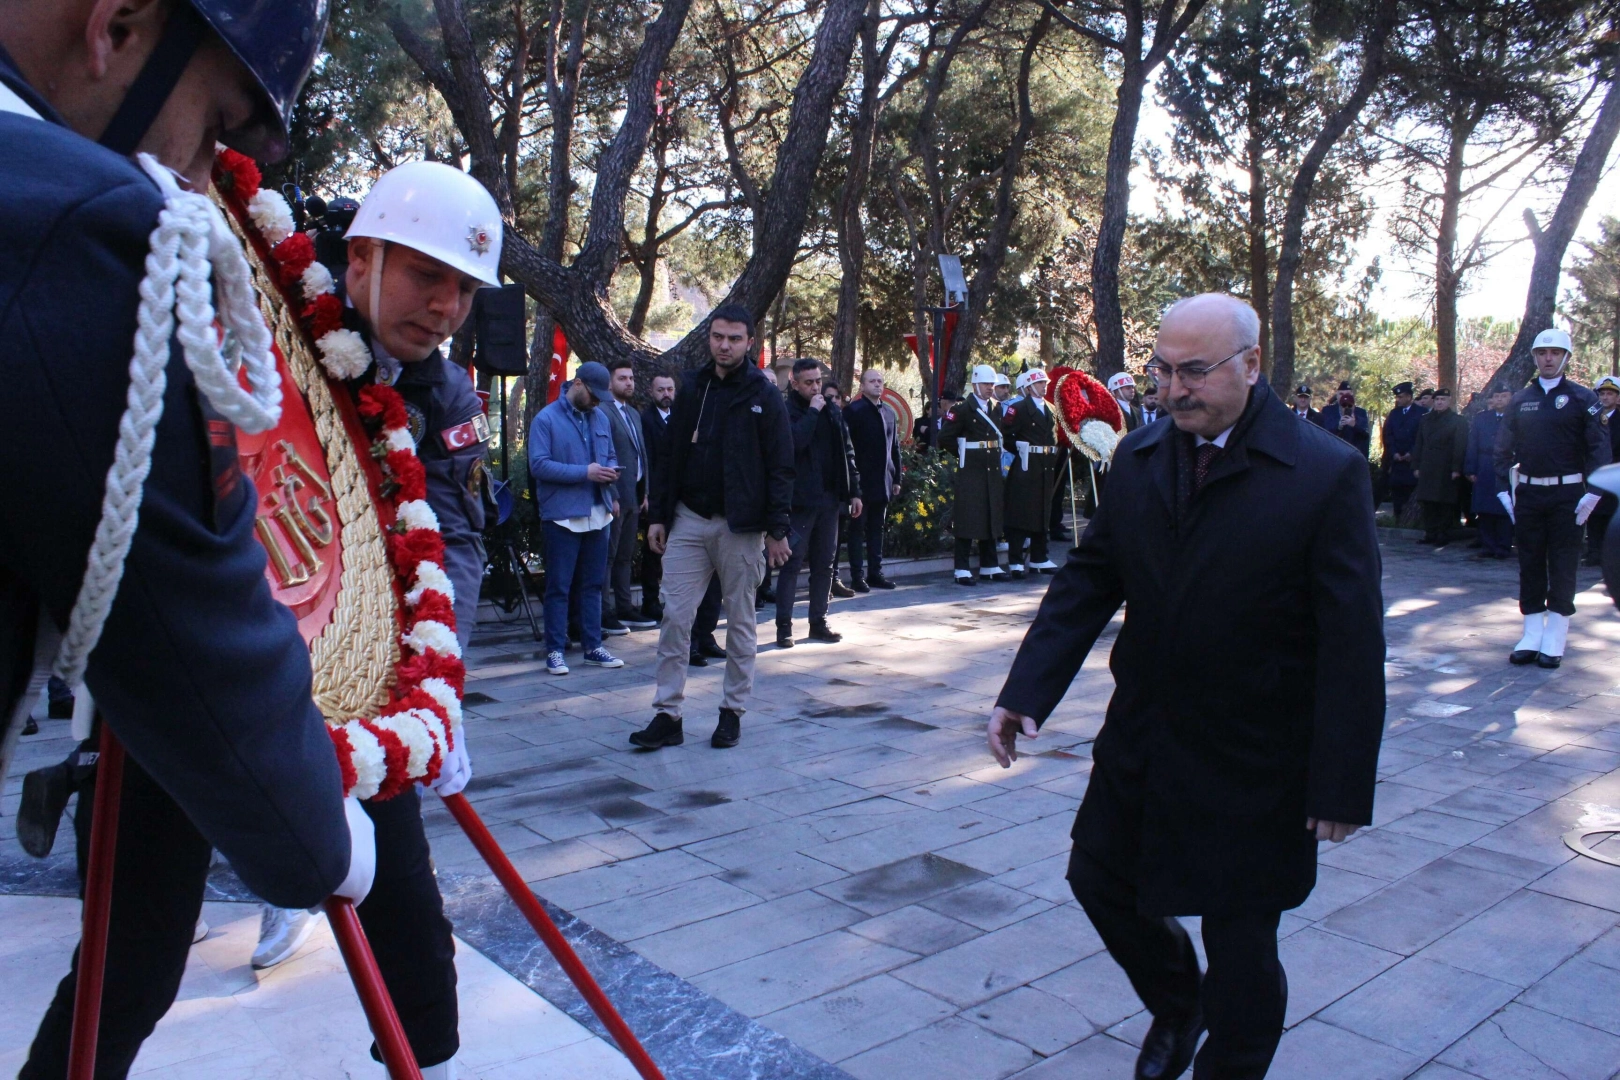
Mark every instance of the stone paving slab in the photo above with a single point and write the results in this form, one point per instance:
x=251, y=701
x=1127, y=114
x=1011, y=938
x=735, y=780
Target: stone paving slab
x=859, y=877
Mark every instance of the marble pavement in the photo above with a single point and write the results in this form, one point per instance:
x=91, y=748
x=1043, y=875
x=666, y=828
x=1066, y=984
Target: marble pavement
x=857, y=890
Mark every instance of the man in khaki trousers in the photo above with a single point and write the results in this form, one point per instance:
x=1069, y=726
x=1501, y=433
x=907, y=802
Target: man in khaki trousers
x=720, y=504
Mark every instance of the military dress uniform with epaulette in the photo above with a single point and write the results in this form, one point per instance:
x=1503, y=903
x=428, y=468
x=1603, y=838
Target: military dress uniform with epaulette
x=1554, y=438
x=971, y=432
x=1029, y=427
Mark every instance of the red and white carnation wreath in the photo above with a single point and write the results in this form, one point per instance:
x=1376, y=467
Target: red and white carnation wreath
x=406, y=742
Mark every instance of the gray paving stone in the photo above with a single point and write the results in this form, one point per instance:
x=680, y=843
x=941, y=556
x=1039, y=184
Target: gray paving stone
x=1519, y=869
x=781, y=876
x=1047, y=879
x=917, y=930
x=1487, y=804
x=1028, y=804
x=1323, y=967
x=1100, y=1057
x=1440, y=828
x=627, y=877
x=1008, y=849
x=1096, y=988
x=1521, y=1043
x=995, y=963
x=550, y=860
x=1605, y=950
x=677, y=830
x=946, y=792
x=1447, y=1001
x=1540, y=779
x=1335, y=889
x=650, y=913
x=1581, y=991
x=807, y=798
x=1044, y=1023
x=1380, y=854
x=774, y=980
x=858, y=1017
x=933, y=832
x=905, y=881
x=987, y=905
x=1393, y=799
x=951, y=1049
x=739, y=934
x=1440, y=775
x=1522, y=938
x=1585, y=881
x=1422, y=907
x=1321, y=1051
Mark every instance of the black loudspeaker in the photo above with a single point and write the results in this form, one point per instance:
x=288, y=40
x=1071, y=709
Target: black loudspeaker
x=500, y=331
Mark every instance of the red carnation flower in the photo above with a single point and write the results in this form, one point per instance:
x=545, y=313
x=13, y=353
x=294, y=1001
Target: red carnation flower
x=294, y=255
x=435, y=607
x=418, y=545
x=324, y=314
x=345, y=756
x=237, y=174
x=432, y=665
x=396, y=760
x=384, y=401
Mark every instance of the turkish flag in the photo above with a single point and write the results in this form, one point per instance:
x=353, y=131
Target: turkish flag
x=559, y=364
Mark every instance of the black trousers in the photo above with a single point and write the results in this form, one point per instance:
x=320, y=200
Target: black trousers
x=1439, y=518
x=1016, y=540
x=1398, y=496
x=866, y=541
x=814, y=538
x=987, y=554
x=1244, y=995
x=162, y=866
x=652, y=577
x=1549, y=547
x=1496, y=534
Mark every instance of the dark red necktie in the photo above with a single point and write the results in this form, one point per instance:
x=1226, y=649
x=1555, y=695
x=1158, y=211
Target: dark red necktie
x=1206, y=455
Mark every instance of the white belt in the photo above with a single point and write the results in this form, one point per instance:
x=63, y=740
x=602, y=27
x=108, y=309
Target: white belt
x=963, y=446
x=1042, y=449
x=1550, y=481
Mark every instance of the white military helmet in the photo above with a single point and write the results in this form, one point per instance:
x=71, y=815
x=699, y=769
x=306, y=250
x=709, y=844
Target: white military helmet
x=1002, y=380
x=984, y=373
x=1553, y=338
x=1032, y=375
x=438, y=210
x=1120, y=381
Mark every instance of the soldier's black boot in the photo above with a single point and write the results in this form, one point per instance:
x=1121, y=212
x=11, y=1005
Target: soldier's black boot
x=44, y=797
x=728, y=731
x=820, y=631
x=665, y=730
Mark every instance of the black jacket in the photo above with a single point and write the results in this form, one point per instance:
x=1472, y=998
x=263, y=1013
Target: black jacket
x=820, y=445
x=1551, y=433
x=758, y=453
x=1249, y=671
x=199, y=671
x=656, y=429
x=874, y=432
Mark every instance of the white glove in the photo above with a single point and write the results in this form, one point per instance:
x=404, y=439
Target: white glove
x=454, y=771
x=362, y=854
x=1506, y=499
x=1584, y=508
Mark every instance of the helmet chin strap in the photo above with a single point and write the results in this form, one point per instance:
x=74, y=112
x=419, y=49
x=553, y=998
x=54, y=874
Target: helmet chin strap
x=182, y=33
x=379, y=250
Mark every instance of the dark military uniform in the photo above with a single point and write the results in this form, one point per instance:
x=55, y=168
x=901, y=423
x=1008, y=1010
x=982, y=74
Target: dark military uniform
x=1028, y=426
x=1400, y=434
x=971, y=433
x=1555, y=438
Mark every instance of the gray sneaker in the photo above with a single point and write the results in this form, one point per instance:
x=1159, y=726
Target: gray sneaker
x=282, y=932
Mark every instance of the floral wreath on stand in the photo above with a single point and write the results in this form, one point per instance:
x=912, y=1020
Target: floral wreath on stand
x=408, y=738
x=1089, y=419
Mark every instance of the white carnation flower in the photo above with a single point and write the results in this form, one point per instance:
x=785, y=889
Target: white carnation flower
x=430, y=578
x=445, y=695
x=344, y=354
x=271, y=215
x=417, y=514
x=409, y=727
x=370, y=766
x=399, y=439
x=317, y=281
x=1098, y=440
x=432, y=634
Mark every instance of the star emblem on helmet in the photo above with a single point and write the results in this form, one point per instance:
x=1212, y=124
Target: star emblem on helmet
x=479, y=239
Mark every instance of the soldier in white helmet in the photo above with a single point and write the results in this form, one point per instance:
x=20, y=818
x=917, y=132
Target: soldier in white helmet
x=1003, y=388
x=425, y=240
x=971, y=430
x=1123, y=386
x=1548, y=443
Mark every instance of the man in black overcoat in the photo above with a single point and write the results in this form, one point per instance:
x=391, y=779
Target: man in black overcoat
x=1344, y=418
x=1249, y=688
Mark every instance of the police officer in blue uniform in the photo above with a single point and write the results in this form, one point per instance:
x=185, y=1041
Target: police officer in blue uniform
x=201, y=674
x=1400, y=436
x=1548, y=443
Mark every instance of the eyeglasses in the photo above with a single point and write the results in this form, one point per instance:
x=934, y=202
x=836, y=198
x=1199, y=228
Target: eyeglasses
x=1192, y=374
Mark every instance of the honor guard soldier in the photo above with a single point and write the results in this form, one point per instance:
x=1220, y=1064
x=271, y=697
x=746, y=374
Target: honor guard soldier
x=1123, y=386
x=971, y=430
x=201, y=674
x=1027, y=425
x=1548, y=443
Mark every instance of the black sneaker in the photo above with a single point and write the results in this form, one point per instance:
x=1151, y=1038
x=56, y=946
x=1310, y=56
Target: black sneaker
x=878, y=581
x=614, y=628
x=710, y=648
x=634, y=621
x=44, y=796
x=859, y=585
x=728, y=731
x=840, y=590
x=665, y=730
x=820, y=631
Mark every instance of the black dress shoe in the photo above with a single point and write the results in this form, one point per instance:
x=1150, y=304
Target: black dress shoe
x=878, y=581
x=652, y=613
x=727, y=732
x=1548, y=662
x=695, y=659
x=1016, y=575
x=1058, y=534
x=44, y=796
x=766, y=596
x=1168, y=1048
x=784, y=637
x=966, y=580
x=30, y=727
x=840, y=590
x=820, y=631
x=1523, y=656
x=711, y=648
x=859, y=585
x=665, y=730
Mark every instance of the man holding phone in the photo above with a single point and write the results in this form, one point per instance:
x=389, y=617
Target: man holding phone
x=575, y=470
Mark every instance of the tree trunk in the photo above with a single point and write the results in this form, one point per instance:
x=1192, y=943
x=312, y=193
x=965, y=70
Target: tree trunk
x=851, y=227
x=1107, y=311
x=994, y=249
x=1446, y=278
x=1259, y=251
x=1292, y=247
x=1551, y=244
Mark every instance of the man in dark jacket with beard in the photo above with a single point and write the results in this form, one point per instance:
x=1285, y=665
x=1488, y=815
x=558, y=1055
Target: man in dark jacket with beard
x=1250, y=688
x=824, y=482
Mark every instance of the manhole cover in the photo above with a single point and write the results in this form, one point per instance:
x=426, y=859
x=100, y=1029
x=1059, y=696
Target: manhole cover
x=1575, y=840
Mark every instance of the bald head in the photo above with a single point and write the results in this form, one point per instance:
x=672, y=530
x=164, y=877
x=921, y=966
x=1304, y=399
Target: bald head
x=1206, y=358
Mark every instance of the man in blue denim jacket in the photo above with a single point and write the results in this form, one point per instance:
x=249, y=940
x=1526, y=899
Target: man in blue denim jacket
x=574, y=467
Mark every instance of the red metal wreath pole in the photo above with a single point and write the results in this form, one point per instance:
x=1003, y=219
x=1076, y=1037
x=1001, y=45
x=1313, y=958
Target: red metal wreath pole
x=368, y=983
x=98, y=883
x=524, y=898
